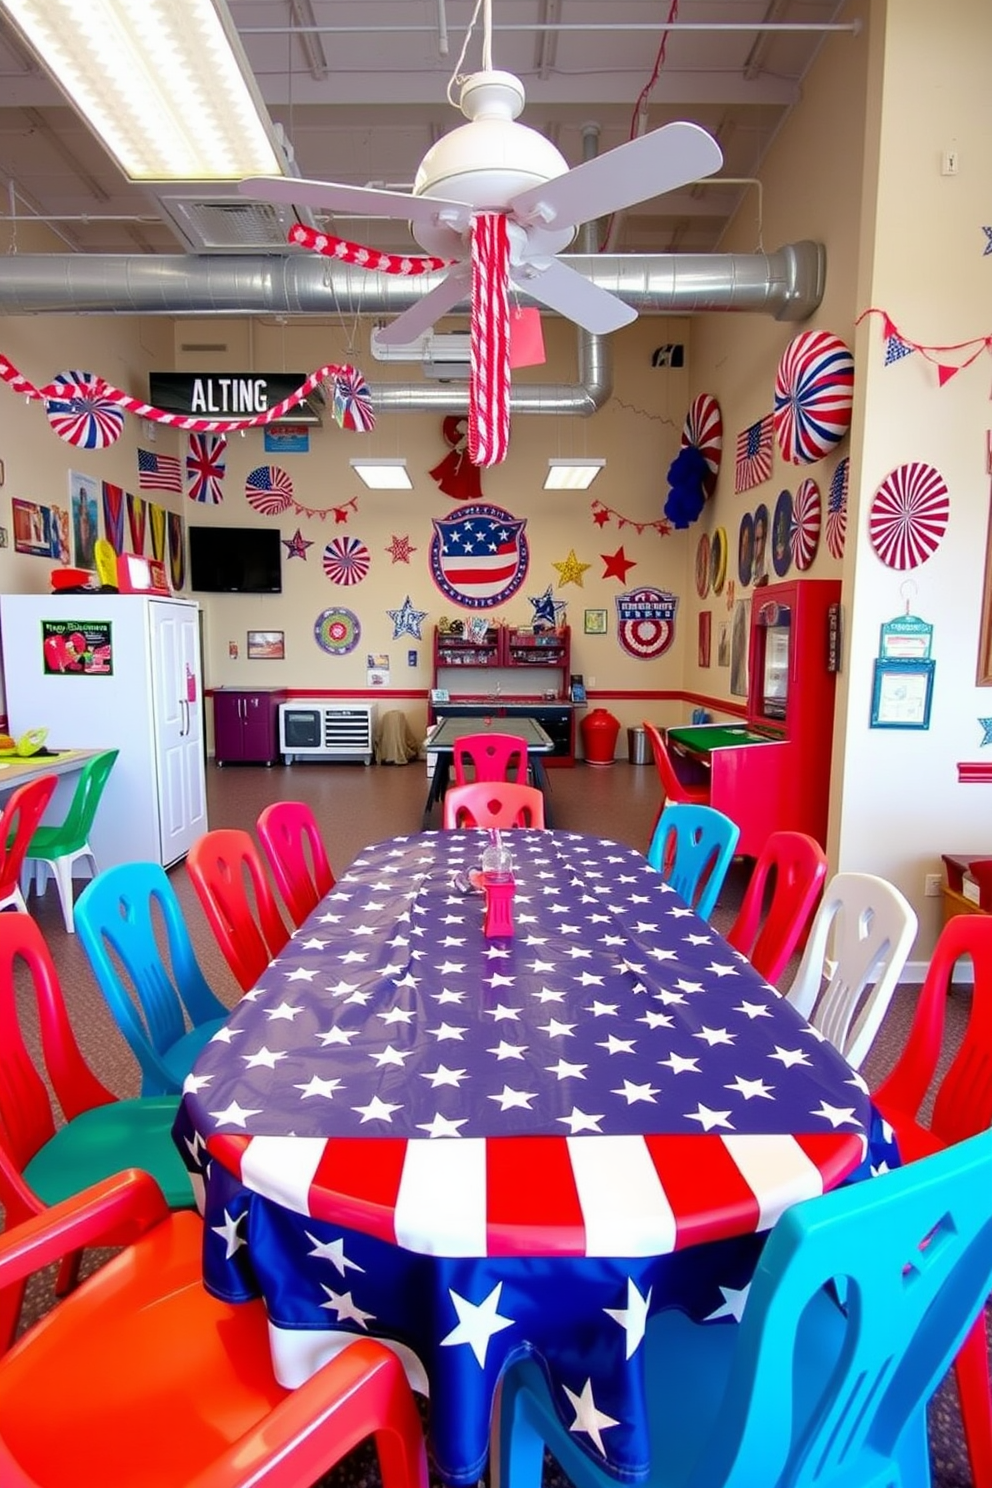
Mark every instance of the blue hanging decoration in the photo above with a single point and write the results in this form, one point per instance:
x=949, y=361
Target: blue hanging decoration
x=687, y=494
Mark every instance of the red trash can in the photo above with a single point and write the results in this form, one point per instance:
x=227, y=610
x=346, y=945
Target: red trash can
x=599, y=736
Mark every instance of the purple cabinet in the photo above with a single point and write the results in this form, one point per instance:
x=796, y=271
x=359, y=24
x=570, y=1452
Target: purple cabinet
x=246, y=725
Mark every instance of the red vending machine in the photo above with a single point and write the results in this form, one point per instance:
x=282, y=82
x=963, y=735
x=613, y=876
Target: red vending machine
x=773, y=773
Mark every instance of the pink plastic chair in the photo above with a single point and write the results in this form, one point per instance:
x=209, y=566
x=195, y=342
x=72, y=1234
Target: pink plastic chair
x=21, y=814
x=494, y=757
x=672, y=788
x=493, y=804
x=295, y=851
x=799, y=866
x=962, y=1107
x=229, y=877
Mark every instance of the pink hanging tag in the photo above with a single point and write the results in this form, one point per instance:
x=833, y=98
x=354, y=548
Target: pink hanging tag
x=526, y=338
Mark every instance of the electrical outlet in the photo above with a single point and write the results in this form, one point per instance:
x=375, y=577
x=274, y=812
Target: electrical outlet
x=932, y=885
x=592, y=681
x=949, y=163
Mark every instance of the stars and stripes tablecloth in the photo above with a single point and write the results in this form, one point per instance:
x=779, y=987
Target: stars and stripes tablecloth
x=479, y=1148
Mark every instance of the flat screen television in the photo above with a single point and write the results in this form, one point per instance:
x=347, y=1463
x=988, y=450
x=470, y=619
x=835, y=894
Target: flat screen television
x=235, y=560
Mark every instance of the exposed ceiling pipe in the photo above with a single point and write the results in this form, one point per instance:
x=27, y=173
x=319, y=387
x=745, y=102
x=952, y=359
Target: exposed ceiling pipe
x=787, y=284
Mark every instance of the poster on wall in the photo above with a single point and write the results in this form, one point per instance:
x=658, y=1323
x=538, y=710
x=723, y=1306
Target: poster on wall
x=739, y=628
x=84, y=497
x=81, y=646
x=32, y=526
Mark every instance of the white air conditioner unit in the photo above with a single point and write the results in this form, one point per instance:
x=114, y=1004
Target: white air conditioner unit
x=442, y=354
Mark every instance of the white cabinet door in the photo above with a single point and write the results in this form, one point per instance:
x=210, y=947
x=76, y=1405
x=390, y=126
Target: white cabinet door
x=178, y=700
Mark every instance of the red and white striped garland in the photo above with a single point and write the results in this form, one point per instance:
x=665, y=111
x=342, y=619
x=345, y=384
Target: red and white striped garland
x=97, y=388
x=489, y=386
x=326, y=244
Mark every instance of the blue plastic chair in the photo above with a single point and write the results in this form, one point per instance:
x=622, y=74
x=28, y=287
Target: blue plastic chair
x=120, y=919
x=804, y=1391
x=693, y=847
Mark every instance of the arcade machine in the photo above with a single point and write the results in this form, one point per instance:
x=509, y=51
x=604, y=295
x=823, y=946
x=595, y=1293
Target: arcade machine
x=772, y=773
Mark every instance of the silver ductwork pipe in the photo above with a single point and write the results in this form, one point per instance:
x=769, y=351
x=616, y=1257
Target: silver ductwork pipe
x=787, y=284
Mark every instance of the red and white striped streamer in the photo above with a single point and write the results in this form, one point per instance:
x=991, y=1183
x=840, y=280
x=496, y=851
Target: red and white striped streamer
x=97, y=388
x=489, y=381
x=366, y=258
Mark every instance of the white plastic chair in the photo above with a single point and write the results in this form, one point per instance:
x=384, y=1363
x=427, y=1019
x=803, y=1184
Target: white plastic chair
x=869, y=927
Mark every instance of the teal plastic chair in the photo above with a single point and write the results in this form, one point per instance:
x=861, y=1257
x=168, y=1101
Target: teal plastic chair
x=96, y=1135
x=57, y=849
x=126, y=918
x=805, y=1392
x=693, y=847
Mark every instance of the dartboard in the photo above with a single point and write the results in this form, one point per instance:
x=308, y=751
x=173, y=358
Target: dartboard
x=346, y=560
x=90, y=422
x=813, y=396
x=703, y=428
x=269, y=490
x=908, y=515
x=337, y=631
x=837, y=509
x=807, y=518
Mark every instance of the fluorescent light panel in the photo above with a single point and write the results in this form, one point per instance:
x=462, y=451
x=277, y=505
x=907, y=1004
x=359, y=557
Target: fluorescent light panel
x=165, y=84
x=383, y=475
x=572, y=475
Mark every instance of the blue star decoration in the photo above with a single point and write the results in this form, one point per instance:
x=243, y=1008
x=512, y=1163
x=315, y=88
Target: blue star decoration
x=987, y=730
x=546, y=608
x=296, y=546
x=407, y=621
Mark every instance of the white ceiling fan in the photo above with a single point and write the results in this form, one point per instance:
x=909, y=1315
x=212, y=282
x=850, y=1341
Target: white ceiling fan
x=493, y=164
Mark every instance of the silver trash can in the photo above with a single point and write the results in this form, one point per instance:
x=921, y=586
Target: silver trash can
x=638, y=748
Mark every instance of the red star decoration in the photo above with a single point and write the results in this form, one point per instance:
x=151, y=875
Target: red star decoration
x=400, y=549
x=341, y=514
x=617, y=565
x=600, y=516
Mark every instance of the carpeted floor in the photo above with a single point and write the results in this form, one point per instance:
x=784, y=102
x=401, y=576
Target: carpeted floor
x=357, y=805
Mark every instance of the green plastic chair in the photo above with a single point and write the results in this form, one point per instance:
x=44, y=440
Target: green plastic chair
x=56, y=849
x=97, y=1134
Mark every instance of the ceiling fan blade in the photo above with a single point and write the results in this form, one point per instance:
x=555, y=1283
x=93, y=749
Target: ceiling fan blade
x=420, y=317
x=562, y=289
x=364, y=201
x=635, y=172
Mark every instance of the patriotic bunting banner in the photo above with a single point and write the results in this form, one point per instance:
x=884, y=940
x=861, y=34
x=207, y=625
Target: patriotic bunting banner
x=754, y=455
x=949, y=359
x=205, y=467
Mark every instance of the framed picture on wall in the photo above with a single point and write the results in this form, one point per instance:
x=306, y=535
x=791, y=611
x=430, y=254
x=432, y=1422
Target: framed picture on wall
x=595, y=622
x=266, y=645
x=705, y=636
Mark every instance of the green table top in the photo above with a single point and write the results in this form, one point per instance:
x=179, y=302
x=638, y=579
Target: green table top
x=718, y=736
x=453, y=727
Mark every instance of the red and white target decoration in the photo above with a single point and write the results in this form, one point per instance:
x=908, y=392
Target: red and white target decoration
x=703, y=428
x=807, y=519
x=814, y=391
x=87, y=420
x=269, y=490
x=346, y=560
x=908, y=515
x=646, y=622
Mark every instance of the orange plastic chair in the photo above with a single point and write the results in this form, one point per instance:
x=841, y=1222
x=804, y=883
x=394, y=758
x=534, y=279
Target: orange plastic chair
x=231, y=882
x=295, y=851
x=486, y=803
x=788, y=876
x=672, y=788
x=962, y=1107
x=22, y=811
x=493, y=756
x=141, y=1378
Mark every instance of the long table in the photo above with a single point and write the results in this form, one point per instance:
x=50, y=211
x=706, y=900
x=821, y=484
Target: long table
x=451, y=728
x=17, y=770
x=476, y=1148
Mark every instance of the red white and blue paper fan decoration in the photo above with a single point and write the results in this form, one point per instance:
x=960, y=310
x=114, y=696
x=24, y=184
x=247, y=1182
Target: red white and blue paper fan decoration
x=352, y=405
x=346, y=560
x=269, y=490
x=703, y=428
x=837, y=509
x=813, y=394
x=908, y=515
x=89, y=421
x=807, y=519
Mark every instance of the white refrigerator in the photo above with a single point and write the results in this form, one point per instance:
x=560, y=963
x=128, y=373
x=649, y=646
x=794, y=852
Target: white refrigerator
x=116, y=671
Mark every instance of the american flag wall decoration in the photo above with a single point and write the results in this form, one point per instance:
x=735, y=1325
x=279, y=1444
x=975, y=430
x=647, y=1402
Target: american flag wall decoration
x=754, y=455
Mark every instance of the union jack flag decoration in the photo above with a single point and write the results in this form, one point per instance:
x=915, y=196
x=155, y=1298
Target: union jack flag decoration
x=754, y=455
x=205, y=468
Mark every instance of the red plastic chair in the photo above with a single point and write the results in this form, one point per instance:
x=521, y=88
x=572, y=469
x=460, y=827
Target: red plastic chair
x=768, y=938
x=22, y=811
x=486, y=803
x=493, y=756
x=672, y=788
x=295, y=851
x=962, y=1107
x=229, y=877
x=140, y=1377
